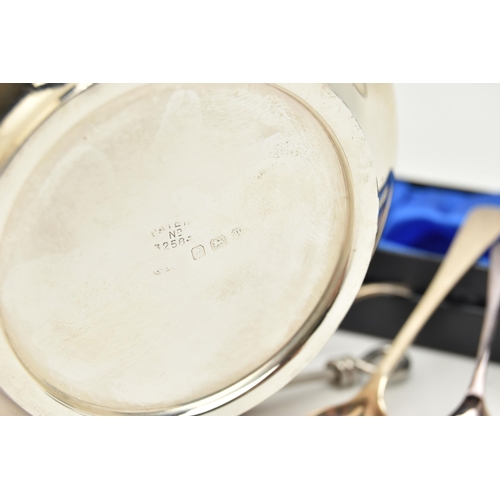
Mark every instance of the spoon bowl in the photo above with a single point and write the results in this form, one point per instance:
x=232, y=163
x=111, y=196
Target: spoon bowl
x=365, y=403
x=471, y=406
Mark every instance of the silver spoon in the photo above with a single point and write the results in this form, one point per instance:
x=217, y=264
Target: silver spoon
x=479, y=231
x=473, y=402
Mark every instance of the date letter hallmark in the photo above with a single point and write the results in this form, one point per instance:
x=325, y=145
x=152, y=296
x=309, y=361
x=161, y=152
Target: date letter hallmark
x=218, y=242
x=176, y=235
x=198, y=252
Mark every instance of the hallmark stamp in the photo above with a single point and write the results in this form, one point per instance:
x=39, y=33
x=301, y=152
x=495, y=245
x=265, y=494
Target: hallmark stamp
x=198, y=252
x=218, y=242
x=236, y=231
x=159, y=271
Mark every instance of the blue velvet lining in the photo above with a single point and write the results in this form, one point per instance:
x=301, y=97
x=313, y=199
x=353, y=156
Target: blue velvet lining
x=423, y=220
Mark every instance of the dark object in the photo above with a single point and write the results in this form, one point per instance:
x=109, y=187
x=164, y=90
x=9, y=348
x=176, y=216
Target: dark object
x=10, y=93
x=456, y=325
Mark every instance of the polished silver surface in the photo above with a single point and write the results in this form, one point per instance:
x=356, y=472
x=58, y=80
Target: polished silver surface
x=104, y=222
x=473, y=403
x=174, y=248
x=373, y=106
x=371, y=290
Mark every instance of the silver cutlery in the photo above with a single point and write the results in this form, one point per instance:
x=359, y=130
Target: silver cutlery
x=479, y=231
x=473, y=403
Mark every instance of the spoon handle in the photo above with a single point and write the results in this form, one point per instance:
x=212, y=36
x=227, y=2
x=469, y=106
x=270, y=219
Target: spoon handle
x=477, y=234
x=478, y=383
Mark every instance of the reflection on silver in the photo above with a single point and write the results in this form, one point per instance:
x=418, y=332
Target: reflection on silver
x=349, y=370
x=371, y=290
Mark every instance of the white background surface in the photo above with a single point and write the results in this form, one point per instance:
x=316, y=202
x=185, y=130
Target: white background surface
x=449, y=134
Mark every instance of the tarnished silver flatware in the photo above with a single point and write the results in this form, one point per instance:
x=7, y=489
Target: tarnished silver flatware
x=473, y=403
x=478, y=232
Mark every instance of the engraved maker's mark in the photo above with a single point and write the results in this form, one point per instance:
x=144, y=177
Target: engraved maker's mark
x=173, y=236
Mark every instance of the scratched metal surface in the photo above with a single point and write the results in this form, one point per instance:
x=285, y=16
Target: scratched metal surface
x=169, y=241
